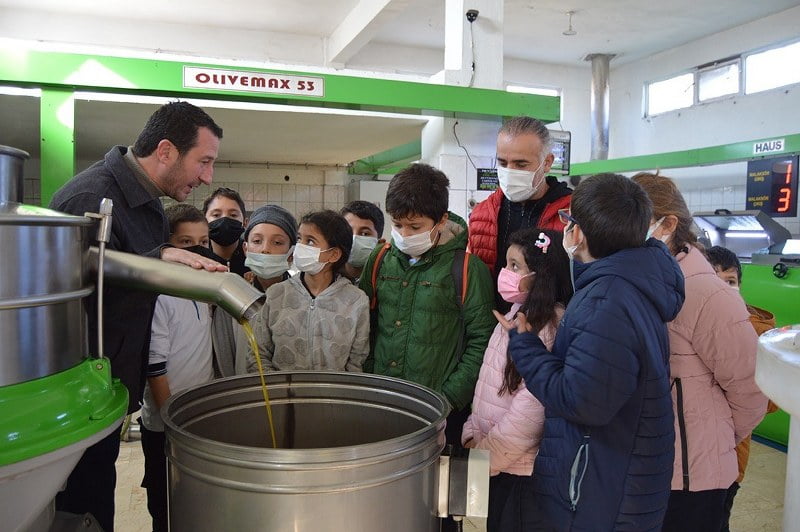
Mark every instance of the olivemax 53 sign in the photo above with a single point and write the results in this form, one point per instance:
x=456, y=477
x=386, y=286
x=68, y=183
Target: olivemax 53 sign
x=235, y=80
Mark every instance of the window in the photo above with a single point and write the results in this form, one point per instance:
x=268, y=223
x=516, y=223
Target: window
x=772, y=68
x=717, y=81
x=670, y=94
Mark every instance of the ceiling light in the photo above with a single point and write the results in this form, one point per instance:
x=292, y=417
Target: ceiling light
x=569, y=32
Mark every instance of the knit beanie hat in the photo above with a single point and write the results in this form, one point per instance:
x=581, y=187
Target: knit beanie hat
x=275, y=215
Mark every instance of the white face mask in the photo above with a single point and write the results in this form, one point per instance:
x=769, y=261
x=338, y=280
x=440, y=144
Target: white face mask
x=414, y=245
x=306, y=258
x=569, y=249
x=653, y=228
x=268, y=266
x=519, y=185
x=362, y=247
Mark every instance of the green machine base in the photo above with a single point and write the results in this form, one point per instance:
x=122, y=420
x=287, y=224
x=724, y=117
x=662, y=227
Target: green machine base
x=781, y=296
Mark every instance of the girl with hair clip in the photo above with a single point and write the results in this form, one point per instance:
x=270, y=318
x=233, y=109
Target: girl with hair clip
x=317, y=319
x=712, y=368
x=506, y=419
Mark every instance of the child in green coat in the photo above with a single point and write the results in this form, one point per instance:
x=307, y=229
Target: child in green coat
x=425, y=329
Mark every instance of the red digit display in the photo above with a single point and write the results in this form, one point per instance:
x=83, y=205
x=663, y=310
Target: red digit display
x=784, y=199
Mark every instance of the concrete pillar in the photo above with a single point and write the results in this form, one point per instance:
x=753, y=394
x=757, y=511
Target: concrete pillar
x=439, y=145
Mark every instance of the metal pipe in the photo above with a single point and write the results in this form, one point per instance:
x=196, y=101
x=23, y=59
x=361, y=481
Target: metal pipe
x=599, y=104
x=233, y=294
x=103, y=237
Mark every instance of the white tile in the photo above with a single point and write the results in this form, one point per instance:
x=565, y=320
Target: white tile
x=455, y=168
x=330, y=196
x=246, y=191
x=260, y=193
x=716, y=197
x=288, y=193
x=301, y=193
x=273, y=193
x=315, y=194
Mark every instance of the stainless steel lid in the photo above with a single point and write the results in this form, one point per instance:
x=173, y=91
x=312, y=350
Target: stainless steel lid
x=12, y=213
x=14, y=152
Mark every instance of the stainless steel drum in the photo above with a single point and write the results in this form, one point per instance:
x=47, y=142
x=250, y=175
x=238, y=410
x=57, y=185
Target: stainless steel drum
x=356, y=452
x=44, y=277
x=11, y=180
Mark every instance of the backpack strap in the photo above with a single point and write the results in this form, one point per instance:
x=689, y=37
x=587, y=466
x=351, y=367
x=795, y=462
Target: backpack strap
x=376, y=266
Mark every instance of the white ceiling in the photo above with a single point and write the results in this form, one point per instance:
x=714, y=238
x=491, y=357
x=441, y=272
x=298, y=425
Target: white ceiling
x=631, y=29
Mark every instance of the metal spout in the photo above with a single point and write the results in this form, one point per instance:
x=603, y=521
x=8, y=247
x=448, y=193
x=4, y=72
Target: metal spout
x=233, y=294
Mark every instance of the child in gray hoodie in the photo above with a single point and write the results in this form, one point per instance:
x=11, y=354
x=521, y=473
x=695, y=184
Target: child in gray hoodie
x=316, y=319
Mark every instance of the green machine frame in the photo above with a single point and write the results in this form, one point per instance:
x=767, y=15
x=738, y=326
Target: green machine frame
x=59, y=75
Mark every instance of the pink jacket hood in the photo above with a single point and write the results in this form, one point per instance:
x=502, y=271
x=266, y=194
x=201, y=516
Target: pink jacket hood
x=712, y=366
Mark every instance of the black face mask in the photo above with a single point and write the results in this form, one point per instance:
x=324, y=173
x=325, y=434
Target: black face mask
x=205, y=252
x=225, y=231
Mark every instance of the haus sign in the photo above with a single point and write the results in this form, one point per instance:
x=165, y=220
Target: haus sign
x=768, y=146
x=249, y=81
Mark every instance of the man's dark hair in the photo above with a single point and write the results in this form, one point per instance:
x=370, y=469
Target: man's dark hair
x=336, y=231
x=613, y=212
x=183, y=212
x=724, y=259
x=176, y=122
x=366, y=210
x=225, y=192
x=526, y=125
x=419, y=189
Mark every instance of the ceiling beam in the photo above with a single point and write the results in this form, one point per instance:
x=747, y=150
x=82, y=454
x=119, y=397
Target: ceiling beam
x=360, y=25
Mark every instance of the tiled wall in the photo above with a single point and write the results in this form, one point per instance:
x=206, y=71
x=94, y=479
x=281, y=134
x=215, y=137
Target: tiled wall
x=297, y=199
x=728, y=197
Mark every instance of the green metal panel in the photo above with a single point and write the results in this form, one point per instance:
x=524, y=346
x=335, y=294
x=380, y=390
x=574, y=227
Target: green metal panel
x=740, y=151
x=762, y=289
x=57, y=122
x=375, y=164
x=130, y=75
x=43, y=415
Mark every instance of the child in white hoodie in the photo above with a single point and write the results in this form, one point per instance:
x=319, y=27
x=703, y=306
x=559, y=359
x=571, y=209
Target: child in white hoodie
x=506, y=419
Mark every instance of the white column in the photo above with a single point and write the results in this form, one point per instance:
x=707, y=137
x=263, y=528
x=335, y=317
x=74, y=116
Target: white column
x=439, y=144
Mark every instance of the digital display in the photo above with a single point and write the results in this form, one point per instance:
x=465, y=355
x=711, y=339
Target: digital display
x=487, y=179
x=561, y=149
x=772, y=186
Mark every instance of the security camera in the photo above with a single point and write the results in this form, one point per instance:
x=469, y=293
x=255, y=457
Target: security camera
x=472, y=15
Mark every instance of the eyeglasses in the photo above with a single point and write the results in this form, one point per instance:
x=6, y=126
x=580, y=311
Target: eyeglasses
x=565, y=217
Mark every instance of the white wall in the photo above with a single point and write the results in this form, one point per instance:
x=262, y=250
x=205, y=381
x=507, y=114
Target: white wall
x=736, y=119
x=308, y=189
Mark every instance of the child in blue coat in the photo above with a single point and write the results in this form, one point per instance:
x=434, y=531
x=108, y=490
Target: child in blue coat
x=605, y=461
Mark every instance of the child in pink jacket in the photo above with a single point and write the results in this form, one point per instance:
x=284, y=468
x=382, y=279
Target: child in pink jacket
x=712, y=367
x=506, y=419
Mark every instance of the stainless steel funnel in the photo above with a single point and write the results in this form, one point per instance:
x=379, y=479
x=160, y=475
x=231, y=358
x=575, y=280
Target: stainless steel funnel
x=233, y=294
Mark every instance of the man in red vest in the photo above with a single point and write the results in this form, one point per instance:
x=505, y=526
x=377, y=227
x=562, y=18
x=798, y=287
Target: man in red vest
x=527, y=196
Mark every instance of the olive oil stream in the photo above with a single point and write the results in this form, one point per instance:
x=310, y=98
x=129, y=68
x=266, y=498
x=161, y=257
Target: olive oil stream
x=251, y=337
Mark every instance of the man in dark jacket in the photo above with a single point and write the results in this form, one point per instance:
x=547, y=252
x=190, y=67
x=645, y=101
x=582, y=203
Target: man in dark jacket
x=175, y=152
x=605, y=461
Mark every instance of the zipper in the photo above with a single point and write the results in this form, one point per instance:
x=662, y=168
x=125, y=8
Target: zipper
x=682, y=433
x=578, y=471
x=310, y=332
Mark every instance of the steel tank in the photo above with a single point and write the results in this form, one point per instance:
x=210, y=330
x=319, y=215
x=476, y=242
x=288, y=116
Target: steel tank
x=12, y=161
x=356, y=452
x=45, y=277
